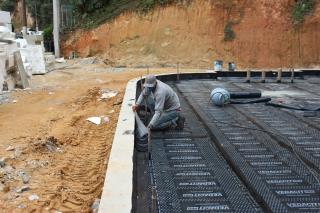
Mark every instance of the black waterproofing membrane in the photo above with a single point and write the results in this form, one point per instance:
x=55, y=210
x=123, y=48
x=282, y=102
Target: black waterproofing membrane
x=239, y=158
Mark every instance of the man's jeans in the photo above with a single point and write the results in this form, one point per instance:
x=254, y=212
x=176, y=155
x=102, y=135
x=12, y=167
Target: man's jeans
x=167, y=119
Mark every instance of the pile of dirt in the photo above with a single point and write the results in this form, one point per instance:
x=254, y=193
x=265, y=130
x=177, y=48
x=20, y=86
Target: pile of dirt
x=91, y=96
x=49, y=144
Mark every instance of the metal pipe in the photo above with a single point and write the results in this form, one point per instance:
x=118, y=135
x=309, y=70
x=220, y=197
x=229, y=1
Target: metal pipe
x=248, y=79
x=154, y=200
x=178, y=72
x=153, y=185
x=279, y=77
x=37, y=27
x=292, y=75
x=263, y=77
x=56, y=27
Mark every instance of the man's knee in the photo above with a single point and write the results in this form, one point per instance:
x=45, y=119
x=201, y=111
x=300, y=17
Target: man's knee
x=165, y=123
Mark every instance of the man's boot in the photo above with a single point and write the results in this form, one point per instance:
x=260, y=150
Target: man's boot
x=180, y=122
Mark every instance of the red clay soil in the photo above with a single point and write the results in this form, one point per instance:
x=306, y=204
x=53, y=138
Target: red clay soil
x=265, y=36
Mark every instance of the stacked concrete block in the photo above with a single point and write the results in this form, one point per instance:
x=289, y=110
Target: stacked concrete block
x=25, y=55
x=2, y=70
x=8, y=47
x=32, y=53
x=5, y=19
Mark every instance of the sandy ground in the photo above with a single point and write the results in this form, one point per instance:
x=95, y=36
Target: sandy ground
x=48, y=145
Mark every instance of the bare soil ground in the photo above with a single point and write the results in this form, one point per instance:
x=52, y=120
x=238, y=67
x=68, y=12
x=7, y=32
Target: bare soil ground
x=48, y=145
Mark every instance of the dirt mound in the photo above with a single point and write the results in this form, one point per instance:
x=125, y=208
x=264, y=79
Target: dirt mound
x=91, y=96
x=49, y=144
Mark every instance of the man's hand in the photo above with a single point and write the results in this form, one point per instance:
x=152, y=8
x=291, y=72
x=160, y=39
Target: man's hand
x=149, y=127
x=135, y=108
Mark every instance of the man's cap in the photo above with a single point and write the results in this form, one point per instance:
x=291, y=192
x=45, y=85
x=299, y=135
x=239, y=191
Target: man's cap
x=150, y=81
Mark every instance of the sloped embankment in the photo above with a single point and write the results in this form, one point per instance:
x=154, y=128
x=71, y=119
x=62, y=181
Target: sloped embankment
x=194, y=35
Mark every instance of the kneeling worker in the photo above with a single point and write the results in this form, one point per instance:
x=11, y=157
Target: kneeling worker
x=164, y=101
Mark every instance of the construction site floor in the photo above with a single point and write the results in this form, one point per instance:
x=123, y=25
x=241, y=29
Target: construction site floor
x=237, y=158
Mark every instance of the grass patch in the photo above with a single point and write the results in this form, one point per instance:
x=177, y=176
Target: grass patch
x=229, y=34
x=301, y=9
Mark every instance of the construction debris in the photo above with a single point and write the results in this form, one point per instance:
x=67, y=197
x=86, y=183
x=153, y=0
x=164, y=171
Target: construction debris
x=19, y=58
x=95, y=120
x=23, y=189
x=17, y=153
x=32, y=54
x=95, y=206
x=24, y=176
x=10, y=148
x=22, y=75
x=107, y=93
x=33, y=197
x=2, y=162
x=50, y=144
x=7, y=64
x=105, y=119
x=60, y=60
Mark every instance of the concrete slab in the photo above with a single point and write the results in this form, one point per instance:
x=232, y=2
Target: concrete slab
x=5, y=17
x=2, y=70
x=21, y=70
x=32, y=56
x=37, y=59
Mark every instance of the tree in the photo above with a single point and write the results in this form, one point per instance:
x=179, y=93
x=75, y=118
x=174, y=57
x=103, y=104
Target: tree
x=88, y=6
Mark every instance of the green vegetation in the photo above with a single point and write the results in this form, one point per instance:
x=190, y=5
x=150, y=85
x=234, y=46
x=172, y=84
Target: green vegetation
x=229, y=6
x=146, y=5
x=42, y=11
x=113, y=8
x=87, y=13
x=88, y=6
x=109, y=11
x=301, y=9
x=7, y=5
x=229, y=34
x=47, y=33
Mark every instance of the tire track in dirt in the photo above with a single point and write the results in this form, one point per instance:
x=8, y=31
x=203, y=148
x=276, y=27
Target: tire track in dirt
x=83, y=171
x=76, y=175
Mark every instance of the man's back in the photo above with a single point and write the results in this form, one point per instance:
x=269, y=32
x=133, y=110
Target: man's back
x=165, y=98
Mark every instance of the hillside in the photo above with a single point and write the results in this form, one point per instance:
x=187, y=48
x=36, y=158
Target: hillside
x=252, y=33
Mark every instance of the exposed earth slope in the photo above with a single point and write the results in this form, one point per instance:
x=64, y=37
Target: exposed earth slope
x=193, y=35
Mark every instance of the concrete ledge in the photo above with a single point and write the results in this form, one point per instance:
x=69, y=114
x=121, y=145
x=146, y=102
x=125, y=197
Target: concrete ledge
x=117, y=191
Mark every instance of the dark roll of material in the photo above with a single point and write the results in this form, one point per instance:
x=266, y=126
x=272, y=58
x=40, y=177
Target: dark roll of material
x=245, y=94
x=141, y=143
